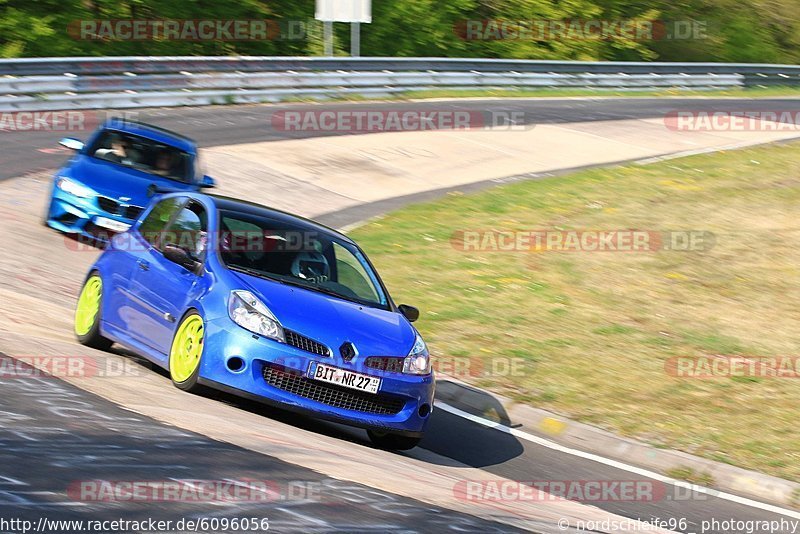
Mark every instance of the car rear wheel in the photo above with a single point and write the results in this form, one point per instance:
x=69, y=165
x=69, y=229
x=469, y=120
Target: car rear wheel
x=87, y=314
x=396, y=442
x=186, y=352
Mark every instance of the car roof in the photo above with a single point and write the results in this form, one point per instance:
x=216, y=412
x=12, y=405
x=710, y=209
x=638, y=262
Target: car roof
x=154, y=133
x=251, y=208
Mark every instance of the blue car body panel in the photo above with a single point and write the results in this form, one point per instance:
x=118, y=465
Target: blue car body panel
x=144, y=304
x=121, y=193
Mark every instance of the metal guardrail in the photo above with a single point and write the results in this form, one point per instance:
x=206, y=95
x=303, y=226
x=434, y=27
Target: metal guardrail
x=165, y=64
x=125, y=82
x=151, y=82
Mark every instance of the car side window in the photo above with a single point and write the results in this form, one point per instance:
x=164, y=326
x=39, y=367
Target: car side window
x=155, y=224
x=189, y=230
x=353, y=275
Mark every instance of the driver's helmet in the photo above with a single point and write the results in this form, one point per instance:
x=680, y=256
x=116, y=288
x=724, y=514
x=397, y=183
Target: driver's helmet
x=311, y=265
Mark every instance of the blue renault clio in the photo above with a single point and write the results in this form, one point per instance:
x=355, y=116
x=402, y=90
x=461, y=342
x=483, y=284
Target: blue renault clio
x=260, y=303
x=104, y=187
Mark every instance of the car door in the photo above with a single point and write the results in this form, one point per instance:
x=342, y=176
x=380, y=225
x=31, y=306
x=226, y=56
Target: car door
x=160, y=288
x=130, y=253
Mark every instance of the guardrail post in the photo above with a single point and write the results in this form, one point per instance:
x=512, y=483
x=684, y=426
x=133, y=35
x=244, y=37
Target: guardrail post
x=355, y=39
x=328, y=37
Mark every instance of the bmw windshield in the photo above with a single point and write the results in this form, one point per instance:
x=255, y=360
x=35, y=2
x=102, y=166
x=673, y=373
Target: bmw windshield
x=142, y=154
x=311, y=259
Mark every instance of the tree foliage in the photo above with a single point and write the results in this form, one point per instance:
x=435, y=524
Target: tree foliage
x=730, y=30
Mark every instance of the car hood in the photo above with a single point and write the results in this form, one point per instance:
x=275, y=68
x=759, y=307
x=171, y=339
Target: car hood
x=333, y=321
x=115, y=181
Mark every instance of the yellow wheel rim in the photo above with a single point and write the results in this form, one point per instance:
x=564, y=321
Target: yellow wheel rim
x=88, y=305
x=184, y=356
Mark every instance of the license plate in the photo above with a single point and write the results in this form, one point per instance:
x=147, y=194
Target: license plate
x=342, y=377
x=111, y=224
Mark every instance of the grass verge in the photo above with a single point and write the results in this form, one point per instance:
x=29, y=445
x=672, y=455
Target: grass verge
x=595, y=330
x=690, y=475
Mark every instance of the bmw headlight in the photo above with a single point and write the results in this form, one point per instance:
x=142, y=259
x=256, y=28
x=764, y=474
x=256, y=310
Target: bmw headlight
x=418, y=361
x=251, y=314
x=73, y=188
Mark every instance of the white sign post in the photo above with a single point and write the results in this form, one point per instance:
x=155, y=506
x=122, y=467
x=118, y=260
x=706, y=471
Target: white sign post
x=353, y=11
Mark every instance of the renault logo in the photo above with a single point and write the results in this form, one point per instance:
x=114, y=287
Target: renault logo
x=348, y=351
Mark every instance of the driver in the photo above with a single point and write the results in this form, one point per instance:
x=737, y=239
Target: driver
x=311, y=266
x=119, y=151
x=165, y=161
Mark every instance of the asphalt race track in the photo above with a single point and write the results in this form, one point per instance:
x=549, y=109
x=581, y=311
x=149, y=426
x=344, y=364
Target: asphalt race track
x=66, y=450
x=23, y=152
x=46, y=447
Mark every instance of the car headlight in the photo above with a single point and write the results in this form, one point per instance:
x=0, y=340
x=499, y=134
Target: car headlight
x=251, y=314
x=418, y=361
x=73, y=188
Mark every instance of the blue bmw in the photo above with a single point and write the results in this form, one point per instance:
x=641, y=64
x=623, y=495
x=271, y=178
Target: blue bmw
x=104, y=187
x=263, y=304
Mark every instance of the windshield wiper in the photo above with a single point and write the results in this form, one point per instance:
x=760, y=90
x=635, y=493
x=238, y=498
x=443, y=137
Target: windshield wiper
x=331, y=292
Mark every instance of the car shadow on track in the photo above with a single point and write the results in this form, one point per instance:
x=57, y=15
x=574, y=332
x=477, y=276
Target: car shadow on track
x=463, y=440
x=453, y=440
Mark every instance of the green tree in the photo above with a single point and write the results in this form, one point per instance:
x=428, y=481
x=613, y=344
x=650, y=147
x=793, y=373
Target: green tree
x=728, y=30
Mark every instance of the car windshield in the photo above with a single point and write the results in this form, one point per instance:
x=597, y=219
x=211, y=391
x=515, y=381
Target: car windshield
x=143, y=154
x=309, y=258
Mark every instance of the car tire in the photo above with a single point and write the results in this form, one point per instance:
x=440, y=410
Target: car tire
x=394, y=442
x=88, y=314
x=186, y=353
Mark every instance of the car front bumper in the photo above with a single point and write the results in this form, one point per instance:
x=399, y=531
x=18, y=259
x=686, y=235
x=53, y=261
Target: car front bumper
x=84, y=217
x=225, y=340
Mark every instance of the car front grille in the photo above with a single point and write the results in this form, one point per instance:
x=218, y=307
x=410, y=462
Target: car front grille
x=101, y=235
x=330, y=394
x=307, y=344
x=115, y=208
x=67, y=219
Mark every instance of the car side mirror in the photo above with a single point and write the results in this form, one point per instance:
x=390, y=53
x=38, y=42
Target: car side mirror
x=409, y=312
x=71, y=143
x=182, y=257
x=208, y=182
